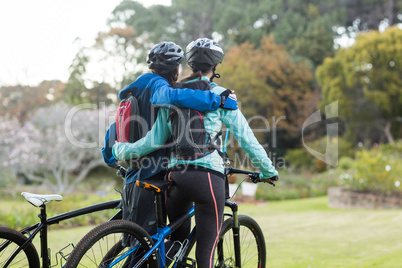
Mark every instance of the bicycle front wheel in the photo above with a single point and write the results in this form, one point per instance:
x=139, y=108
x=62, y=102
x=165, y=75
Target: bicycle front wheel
x=252, y=245
x=108, y=242
x=10, y=241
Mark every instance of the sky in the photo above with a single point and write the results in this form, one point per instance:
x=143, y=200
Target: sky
x=37, y=38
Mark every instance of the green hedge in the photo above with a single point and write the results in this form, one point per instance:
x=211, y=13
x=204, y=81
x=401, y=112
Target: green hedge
x=377, y=170
x=294, y=186
x=18, y=213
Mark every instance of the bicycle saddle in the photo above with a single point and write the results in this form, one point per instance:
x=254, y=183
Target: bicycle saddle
x=41, y=199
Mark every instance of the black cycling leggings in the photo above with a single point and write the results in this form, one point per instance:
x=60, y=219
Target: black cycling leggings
x=207, y=190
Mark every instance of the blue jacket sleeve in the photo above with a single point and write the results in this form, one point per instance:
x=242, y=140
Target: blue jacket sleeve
x=110, y=139
x=165, y=95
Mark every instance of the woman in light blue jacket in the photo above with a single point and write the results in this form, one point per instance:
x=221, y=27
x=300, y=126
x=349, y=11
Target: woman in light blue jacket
x=201, y=180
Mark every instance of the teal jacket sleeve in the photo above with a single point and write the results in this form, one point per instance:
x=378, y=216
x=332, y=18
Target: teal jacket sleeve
x=153, y=140
x=238, y=125
x=165, y=95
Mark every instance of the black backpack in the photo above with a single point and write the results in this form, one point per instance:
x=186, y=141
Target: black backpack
x=190, y=138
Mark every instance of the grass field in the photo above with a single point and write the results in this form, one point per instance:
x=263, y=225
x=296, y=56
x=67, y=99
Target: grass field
x=306, y=233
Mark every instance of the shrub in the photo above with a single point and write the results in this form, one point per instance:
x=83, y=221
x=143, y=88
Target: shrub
x=346, y=163
x=300, y=159
x=295, y=186
x=22, y=214
x=377, y=170
x=320, y=166
x=7, y=177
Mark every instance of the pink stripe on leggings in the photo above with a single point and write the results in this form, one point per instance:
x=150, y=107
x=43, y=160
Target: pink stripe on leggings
x=217, y=221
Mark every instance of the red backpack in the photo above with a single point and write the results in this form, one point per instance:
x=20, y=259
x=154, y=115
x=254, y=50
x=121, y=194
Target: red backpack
x=127, y=120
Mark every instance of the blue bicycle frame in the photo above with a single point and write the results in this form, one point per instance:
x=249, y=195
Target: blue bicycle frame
x=159, y=237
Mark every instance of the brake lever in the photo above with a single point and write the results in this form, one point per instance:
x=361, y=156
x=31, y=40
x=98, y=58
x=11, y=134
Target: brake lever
x=121, y=172
x=256, y=178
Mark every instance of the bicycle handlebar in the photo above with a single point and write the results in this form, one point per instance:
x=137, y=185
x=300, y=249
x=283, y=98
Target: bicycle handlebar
x=253, y=176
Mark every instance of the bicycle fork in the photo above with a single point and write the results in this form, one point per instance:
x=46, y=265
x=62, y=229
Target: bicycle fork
x=236, y=231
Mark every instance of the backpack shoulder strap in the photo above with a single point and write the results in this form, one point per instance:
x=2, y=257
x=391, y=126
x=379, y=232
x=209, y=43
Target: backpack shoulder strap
x=199, y=84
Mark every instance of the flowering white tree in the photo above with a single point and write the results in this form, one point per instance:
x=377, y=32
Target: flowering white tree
x=8, y=134
x=58, y=146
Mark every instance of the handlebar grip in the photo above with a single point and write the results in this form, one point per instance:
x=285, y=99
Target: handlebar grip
x=254, y=177
x=121, y=171
x=274, y=178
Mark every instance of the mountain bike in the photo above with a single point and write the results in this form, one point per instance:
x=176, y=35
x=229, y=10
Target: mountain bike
x=16, y=247
x=117, y=243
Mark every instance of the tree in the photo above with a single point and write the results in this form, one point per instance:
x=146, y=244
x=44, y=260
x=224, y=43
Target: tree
x=181, y=22
x=76, y=91
x=21, y=101
x=303, y=27
x=233, y=22
x=8, y=134
x=82, y=89
x=365, y=15
x=271, y=88
x=366, y=79
x=121, y=53
x=307, y=28
x=57, y=147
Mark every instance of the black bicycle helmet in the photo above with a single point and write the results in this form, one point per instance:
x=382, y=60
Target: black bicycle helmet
x=204, y=54
x=165, y=56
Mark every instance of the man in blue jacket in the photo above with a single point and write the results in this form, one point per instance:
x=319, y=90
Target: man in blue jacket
x=154, y=90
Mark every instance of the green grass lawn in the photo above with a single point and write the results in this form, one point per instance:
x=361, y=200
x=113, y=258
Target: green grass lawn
x=306, y=233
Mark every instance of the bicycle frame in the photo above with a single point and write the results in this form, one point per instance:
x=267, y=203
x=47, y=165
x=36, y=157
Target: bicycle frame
x=164, y=230
x=42, y=227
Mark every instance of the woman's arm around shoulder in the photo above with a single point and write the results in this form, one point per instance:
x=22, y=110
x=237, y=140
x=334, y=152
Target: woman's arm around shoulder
x=165, y=95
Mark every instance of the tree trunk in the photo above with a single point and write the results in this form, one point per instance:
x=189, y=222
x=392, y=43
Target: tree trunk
x=391, y=10
x=387, y=132
x=83, y=173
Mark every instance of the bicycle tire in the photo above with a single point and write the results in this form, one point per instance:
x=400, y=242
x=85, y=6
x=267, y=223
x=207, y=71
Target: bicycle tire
x=10, y=241
x=100, y=247
x=252, y=244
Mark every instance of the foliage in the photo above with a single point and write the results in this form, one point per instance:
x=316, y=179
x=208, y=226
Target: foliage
x=58, y=146
x=304, y=27
x=334, y=148
x=377, y=170
x=366, y=80
x=20, y=100
x=298, y=185
x=84, y=87
x=299, y=159
x=76, y=91
x=20, y=213
x=121, y=54
x=346, y=163
x=369, y=15
x=7, y=177
x=270, y=86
